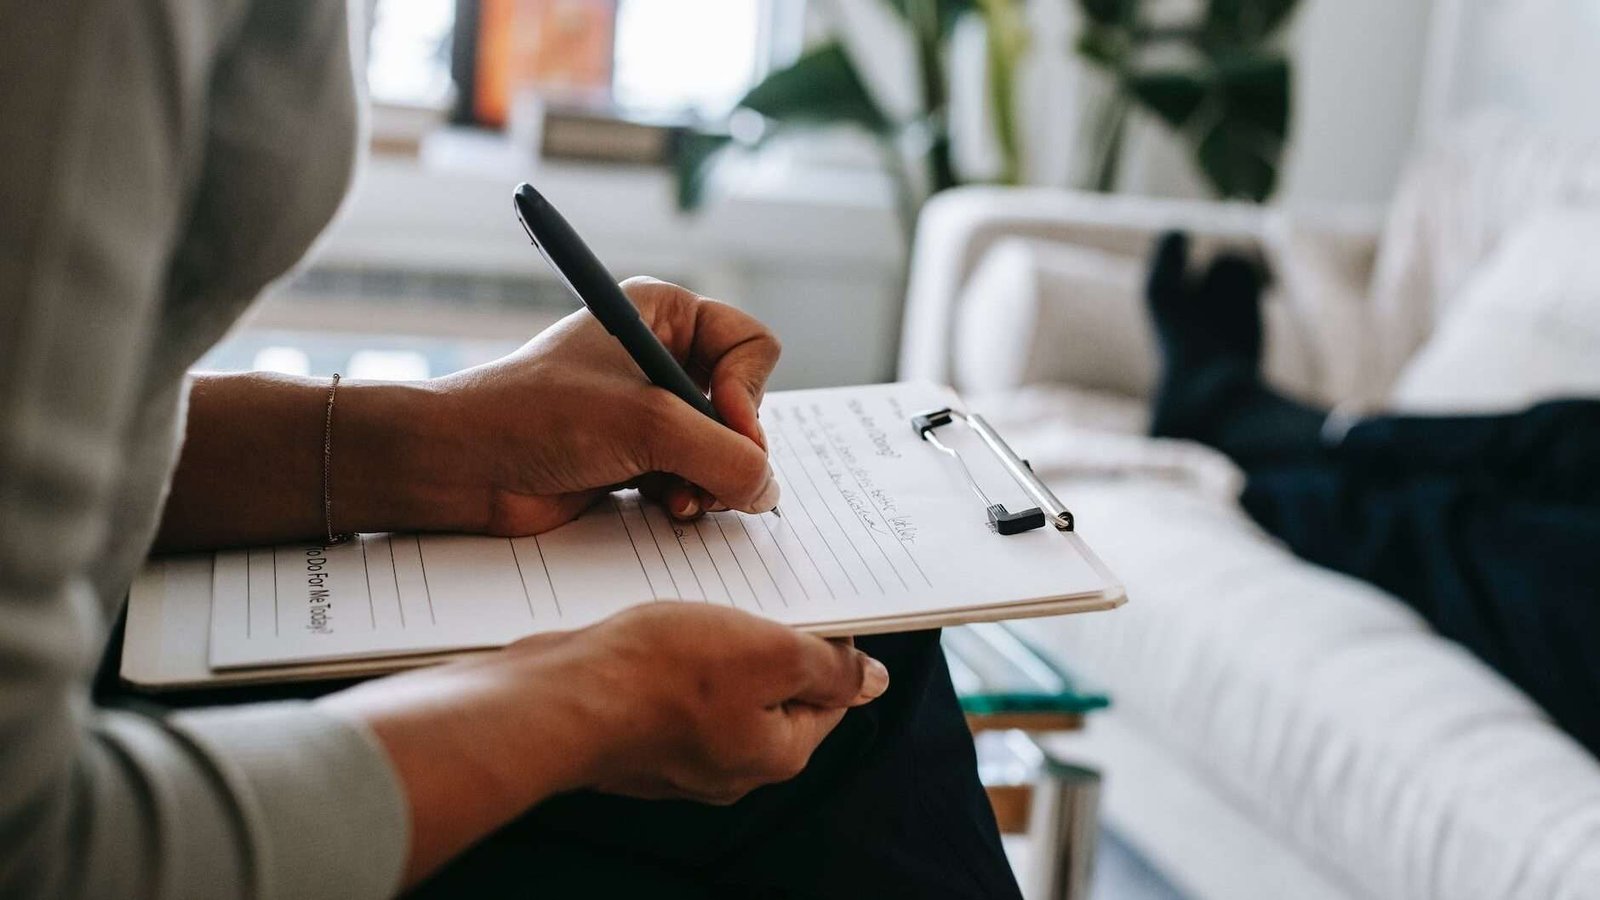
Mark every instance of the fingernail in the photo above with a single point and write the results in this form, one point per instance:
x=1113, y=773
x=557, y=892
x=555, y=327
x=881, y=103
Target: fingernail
x=688, y=509
x=769, y=496
x=874, y=679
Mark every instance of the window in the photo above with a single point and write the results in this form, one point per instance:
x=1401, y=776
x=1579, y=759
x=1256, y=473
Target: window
x=686, y=55
x=408, y=56
x=669, y=57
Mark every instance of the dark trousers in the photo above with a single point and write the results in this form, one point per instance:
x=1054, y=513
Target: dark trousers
x=890, y=806
x=1488, y=525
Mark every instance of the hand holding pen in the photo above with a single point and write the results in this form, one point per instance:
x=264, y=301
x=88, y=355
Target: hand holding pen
x=589, y=281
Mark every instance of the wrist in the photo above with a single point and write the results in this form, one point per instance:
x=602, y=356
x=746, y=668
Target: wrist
x=473, y=745
x=400, y=461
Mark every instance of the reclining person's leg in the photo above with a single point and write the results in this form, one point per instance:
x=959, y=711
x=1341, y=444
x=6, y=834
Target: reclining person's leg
x=1210, y=333
x=1485, y=524
x=1546, y=452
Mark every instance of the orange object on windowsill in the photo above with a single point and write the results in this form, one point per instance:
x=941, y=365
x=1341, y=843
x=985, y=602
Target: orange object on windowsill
x=562, y=48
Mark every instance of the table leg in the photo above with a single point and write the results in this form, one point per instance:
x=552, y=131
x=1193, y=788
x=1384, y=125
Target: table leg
x=1065, y=824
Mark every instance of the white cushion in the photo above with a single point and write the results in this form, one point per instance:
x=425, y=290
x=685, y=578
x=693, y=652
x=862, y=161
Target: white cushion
x=1526, y=326
x=1456, y=206
x=1321, y=268
x=1320, y=704
x=1044, y=312
x=1037, y=312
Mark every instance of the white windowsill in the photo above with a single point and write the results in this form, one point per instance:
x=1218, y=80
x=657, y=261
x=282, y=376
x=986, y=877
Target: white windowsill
x=450, y=209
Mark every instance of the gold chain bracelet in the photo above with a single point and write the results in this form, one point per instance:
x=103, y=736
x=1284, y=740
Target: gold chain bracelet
x=327, y=468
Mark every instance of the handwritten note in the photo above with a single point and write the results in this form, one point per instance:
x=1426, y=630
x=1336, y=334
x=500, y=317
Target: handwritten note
x=877, y=526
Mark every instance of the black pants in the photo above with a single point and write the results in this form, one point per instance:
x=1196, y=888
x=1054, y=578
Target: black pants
x=890, y=806
x=1488, y=525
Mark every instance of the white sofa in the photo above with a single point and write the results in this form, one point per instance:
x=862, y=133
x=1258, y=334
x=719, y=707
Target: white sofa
x=1277, y=730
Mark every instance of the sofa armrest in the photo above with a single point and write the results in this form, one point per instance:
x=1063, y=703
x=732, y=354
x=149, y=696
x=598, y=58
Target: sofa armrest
x=958, y=227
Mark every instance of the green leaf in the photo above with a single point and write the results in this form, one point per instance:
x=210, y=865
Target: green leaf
x=1241, y=162
x=1232, y=109
x=1234, y=114
x=1243, y=23
x=822, y=87
x=1119, y=13
x=1173, y=96
x=1105, y=47
x=1255, y=89
x=1242, y=147
x=694, y=157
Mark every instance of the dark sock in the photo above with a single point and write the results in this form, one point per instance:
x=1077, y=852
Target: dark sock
x=1210, y=339
x=1213, y=321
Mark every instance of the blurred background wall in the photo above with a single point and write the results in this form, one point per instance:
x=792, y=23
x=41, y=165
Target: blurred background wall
x=1540, y=58
x=1360, y=69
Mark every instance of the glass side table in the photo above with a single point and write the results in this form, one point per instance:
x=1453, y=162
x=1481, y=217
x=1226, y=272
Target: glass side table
x=1013, y=695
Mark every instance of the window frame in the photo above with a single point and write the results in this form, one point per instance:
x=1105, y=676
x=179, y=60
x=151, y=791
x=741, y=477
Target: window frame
x=779, y=41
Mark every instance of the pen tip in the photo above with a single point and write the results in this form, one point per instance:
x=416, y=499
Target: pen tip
x=776, y=512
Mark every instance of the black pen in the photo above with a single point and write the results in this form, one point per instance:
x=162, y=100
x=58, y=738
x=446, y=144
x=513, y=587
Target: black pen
x=587, y=278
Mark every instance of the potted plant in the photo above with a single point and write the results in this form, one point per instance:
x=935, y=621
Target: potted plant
x=1220, y=81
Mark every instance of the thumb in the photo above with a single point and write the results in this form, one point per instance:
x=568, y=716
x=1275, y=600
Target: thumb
x=728, y=465
x=836, y=674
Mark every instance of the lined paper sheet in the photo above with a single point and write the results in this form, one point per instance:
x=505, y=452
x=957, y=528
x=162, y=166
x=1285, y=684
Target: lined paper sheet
x=876, y=525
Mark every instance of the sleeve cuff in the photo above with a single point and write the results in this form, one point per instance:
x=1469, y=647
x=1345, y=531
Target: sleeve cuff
x=324, y=812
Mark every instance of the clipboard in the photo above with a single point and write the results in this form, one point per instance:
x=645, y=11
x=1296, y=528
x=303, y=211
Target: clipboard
x=844, y=457
x=1001, y=520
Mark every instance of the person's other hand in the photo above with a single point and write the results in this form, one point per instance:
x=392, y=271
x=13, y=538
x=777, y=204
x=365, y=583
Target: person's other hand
x=708, y=703
x=667, y=700
x=543, y=432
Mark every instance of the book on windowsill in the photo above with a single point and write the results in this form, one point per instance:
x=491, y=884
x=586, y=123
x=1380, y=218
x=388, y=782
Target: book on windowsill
x=591, y=135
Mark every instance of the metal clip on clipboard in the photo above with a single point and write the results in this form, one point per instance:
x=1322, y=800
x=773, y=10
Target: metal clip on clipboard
x=1000, y=519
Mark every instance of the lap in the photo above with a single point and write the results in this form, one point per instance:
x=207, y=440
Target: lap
x=890, y=806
